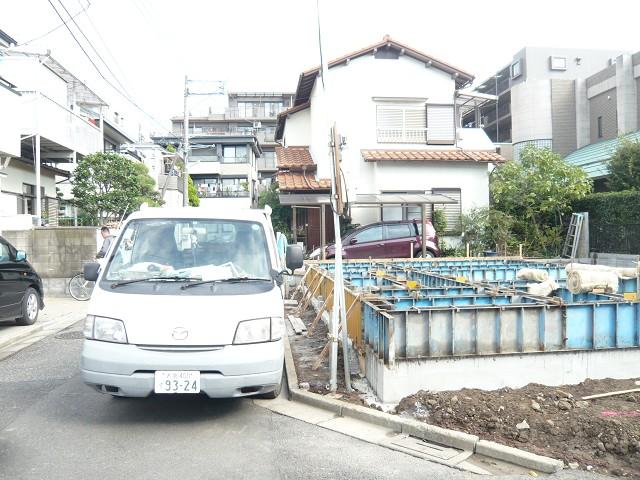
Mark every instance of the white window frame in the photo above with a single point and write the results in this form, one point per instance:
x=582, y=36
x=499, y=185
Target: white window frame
x=553, y=65
x=516, y=69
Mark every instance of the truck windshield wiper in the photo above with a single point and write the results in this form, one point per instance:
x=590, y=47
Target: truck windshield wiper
x=226, y=280
x=175, y=278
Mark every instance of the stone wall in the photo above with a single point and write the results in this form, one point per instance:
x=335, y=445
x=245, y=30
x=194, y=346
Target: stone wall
x=56, y=252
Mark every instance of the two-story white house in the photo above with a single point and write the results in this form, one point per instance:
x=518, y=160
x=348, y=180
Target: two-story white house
x=399, y=112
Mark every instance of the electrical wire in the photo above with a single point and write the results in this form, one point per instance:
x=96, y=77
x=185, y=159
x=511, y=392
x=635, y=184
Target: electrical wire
x=106, y=47
x=320, y=42
x=83, y=9
x=94, y=48
x=124, y=95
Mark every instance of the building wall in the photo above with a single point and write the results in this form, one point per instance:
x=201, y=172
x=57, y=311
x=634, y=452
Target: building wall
x=296, y=132
x=352, y=89
x=27, y=73
x=9, y=128
x=531, y=113
x=603, y=105
x=563, y=116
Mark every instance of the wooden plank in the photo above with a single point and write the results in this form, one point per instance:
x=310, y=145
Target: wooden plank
x=323, y=353
x=298, y=321
x=303, y=305
x=301, y=284
x=291, y=303
x=320, y=312
x=294, y=325
x=611, y=394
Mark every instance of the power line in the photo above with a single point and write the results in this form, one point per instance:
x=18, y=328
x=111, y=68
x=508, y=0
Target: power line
x=83, y=9
x=127, y=97
x=106, y=47
x=94, y=48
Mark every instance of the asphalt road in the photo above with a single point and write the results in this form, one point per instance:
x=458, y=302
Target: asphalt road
x=54, y=427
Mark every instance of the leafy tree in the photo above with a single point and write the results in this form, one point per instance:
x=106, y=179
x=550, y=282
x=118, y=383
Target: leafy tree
x=107, y=185
x=439, y=221
x=487, y=229
x=194, y=200
x=624, y=167
x=280, y=215
x=538, y=192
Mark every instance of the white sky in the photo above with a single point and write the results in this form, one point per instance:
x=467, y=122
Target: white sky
x=261, y=45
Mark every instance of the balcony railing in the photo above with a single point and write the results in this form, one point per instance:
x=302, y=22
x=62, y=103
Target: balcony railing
x=267, y=164
x=173, y=182
x=261, y=135
x=255, y=112
x=407, y=135
x=224, y=194
x=39, y=113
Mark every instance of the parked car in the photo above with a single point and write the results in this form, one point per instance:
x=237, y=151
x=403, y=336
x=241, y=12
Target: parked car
x=21, y=292
x=189, y=300
x=394, y=239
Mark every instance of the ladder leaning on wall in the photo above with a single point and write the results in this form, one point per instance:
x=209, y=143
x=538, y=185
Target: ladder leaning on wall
x=571, y=242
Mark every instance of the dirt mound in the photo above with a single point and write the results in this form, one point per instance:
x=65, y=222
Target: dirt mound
x=602, y=434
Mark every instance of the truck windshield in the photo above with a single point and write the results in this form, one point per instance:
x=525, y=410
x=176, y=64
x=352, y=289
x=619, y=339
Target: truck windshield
x=190, y=249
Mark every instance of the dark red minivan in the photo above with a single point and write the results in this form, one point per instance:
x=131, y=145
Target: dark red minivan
x=388, y=240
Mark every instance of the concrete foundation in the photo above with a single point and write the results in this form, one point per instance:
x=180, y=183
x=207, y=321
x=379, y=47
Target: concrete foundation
x=491, y=372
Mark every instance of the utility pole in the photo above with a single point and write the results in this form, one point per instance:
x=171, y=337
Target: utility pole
x=185, y=146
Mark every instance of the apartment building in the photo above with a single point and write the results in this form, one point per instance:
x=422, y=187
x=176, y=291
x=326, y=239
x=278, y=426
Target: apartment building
x=224, y=168
x=541, y=99
x=608, y=111
x=246, y=113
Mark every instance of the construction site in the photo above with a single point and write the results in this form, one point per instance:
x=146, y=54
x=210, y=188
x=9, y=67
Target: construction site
x=538, y=354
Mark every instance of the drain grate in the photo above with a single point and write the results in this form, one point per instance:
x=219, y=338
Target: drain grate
x=72, y=335
x=426, y=448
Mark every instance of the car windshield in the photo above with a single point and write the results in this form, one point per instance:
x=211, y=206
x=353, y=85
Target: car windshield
x=190, y=249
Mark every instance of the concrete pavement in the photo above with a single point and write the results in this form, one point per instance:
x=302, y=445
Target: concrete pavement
x=53, y=426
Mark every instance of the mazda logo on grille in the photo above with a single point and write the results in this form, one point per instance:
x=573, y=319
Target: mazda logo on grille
x=180, y=333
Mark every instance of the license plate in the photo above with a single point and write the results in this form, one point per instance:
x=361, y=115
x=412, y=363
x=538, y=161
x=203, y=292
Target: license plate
x=175, y=381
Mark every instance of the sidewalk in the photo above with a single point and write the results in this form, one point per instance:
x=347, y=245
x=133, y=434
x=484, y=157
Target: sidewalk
x=58, y=314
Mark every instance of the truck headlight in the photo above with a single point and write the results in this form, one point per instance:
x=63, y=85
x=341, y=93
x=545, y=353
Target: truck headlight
x=105, y=329
x=259, y=330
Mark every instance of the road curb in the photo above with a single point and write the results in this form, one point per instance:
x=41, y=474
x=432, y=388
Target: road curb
x=21, y=336
x=431, y=433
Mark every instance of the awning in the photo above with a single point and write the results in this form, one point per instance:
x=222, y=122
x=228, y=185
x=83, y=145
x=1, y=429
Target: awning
x=292, y=199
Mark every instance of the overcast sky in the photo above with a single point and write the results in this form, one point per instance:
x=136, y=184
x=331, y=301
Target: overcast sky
x=261, y=45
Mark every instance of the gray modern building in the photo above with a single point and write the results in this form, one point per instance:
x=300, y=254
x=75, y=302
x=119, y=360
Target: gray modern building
x=608, y=111
x=545, y=99
x=247, y=113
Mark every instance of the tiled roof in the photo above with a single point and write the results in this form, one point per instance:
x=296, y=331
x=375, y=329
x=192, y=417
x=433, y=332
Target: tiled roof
x=594, y=158
x=295, y=158
x=300, y=181
x=432, y=155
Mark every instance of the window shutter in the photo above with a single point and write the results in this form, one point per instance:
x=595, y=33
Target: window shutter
x=401, y=124
x=452, y=211
x=440, y=124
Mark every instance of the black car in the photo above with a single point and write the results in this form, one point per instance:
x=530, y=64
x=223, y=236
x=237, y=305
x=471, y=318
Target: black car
x=20, y=286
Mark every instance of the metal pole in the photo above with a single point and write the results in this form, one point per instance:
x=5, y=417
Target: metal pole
x=497, y=122
x=38, y=181
x=75, y=164
x=424, y=231
x=185, y=146
x=294, y=224
x=323, y=231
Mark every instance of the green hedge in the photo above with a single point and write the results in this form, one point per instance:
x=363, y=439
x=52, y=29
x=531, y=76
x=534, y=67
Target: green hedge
x=611, y=207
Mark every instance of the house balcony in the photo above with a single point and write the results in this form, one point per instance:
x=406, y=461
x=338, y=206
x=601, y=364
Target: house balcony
x=255, y=113
x=224, y=194
x=9, y=129
x=261, y=135
x=57, y=124
x=392, y=135
x=266, y=164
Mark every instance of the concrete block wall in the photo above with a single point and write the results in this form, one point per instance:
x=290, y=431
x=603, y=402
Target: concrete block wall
x=56, y=252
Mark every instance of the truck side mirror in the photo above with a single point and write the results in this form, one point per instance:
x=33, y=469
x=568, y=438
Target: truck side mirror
x=21, y=256
x=295, y=257
x=90, y=271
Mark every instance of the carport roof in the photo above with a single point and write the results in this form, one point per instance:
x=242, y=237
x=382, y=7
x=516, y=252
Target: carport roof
x=368, y=199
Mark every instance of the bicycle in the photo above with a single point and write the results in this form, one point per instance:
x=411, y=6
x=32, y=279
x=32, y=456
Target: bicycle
x=79, y=288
